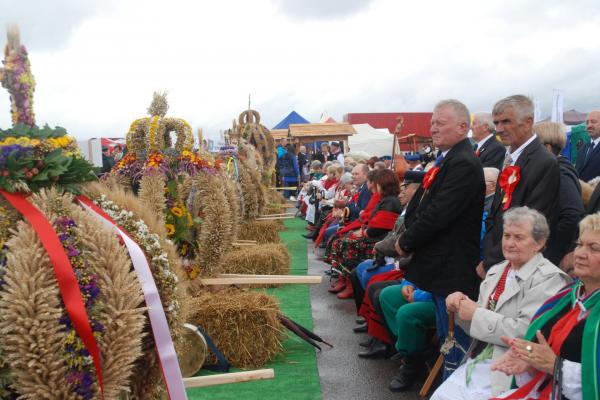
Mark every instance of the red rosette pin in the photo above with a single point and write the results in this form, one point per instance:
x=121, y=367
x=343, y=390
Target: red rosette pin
x=430, y=177
x=509, y=179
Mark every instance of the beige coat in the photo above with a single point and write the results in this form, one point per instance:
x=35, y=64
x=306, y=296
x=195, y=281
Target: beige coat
x=534, y=283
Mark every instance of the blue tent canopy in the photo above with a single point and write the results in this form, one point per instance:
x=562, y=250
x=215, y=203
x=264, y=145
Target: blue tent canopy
x=292, y=118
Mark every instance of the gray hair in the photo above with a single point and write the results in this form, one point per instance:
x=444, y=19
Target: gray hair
x=491, y=174
x=487, y=119
x=539, y=226
x=522, y=105
x=461, y=111
x=346, y=178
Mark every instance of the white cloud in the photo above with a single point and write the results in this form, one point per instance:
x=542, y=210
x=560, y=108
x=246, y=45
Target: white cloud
x=379, y=55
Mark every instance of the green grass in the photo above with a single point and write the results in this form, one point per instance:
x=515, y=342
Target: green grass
x=296, y=373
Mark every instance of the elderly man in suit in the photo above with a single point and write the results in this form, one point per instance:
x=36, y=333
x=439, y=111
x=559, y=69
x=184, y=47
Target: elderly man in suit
x=588, y=158
x=443, y=219
x=489, y=150
x=530, y=177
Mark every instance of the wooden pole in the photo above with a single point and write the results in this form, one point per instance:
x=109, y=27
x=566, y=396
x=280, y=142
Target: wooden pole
x=431, y=377
x=275, y=218
x=234, y=377
x=243, y=279
x=284, y=188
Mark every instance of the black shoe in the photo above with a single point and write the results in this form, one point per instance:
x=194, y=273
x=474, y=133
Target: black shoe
x=361, y=328
x=367, y=343
x=378, y=350
x=407, y=376
x=361, y=320
x=308, y=236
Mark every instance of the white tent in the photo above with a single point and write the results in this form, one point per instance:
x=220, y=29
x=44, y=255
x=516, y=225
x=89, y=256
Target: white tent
x=376, y=142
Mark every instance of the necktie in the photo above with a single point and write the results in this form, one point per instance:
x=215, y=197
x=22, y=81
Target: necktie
x=438, y=160
x=475, y=147
x=507, y=161
x=590, y=151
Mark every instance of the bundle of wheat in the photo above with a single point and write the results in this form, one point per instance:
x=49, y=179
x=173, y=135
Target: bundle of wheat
x=244, y=325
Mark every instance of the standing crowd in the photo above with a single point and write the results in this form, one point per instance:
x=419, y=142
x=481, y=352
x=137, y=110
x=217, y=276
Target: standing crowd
x=487, y=256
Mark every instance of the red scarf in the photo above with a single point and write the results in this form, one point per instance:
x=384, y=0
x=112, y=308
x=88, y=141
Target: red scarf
x=364, y=217
x=383, y=220
x=329, y=182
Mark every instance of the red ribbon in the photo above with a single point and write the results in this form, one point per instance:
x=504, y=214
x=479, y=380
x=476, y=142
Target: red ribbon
x=508, y=181
x=478, y=153
x=63, y=271
x=430, y=177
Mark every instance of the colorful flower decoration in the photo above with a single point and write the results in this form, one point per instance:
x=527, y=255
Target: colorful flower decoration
x=430, y=177
x=166, y=280
x=32, y=158
x=81, y=375
x=508, y=181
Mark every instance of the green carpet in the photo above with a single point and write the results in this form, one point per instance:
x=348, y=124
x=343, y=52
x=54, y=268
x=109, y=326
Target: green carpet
x=296, y=373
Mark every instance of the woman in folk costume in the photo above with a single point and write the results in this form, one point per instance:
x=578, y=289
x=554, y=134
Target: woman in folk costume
x=508, y=297
x=362, y=218
x=560, y=355
x=323, y=188
x=332, y=210
x=356, y=246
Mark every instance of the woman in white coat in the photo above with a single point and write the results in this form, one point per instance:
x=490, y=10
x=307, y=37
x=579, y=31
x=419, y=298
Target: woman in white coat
x=510, y=294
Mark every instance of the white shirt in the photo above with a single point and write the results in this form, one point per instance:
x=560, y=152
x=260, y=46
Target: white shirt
x=481, y=142
x=340, y=158
x=514, y=156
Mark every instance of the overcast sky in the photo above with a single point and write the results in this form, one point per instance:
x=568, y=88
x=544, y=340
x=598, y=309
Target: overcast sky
x=97, y=62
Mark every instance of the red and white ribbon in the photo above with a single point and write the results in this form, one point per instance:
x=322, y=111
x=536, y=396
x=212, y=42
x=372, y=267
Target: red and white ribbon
x=158, y=320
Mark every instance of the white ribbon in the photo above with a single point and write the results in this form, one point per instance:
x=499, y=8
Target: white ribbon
x=158, y=320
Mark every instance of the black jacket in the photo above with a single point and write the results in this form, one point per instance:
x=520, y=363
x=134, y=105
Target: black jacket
x=538, y=188
x=588, y=168
x=563, y=227
x=443, y=226
x=388, y=203
x=492, y=153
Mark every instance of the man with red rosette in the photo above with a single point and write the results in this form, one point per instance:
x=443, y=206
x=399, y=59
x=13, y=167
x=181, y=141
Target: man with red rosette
x=443, y=221
x=530, y=177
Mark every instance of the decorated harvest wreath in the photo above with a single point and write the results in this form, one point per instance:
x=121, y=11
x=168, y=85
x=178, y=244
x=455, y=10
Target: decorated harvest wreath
x=184, y=187
x=72, y=314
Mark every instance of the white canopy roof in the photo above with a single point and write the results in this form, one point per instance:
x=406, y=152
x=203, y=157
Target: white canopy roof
x=376, y=142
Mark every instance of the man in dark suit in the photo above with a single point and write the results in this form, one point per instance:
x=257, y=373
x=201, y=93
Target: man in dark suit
x=539, y=183
x=588, y=157
x=443, y=220
x=489, y=150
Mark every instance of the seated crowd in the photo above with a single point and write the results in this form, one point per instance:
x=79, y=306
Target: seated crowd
x=486, y=254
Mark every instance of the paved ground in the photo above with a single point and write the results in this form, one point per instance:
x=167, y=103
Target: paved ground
x=345, y=376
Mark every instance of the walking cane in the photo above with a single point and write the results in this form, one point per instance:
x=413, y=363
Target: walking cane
x=449, y=343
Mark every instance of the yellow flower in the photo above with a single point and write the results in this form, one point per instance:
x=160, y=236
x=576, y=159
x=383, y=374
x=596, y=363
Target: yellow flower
x=190, y=220
x=176, y=211
x=10, y=140
x=35, y=142
x=170, y=229
x=23, y=141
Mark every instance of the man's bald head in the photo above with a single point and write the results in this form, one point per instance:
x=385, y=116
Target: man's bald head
x=592, y=124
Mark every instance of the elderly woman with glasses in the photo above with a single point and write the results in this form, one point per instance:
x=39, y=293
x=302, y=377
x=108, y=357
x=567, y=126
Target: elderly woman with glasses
x=559, y=357
x=508, y=297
